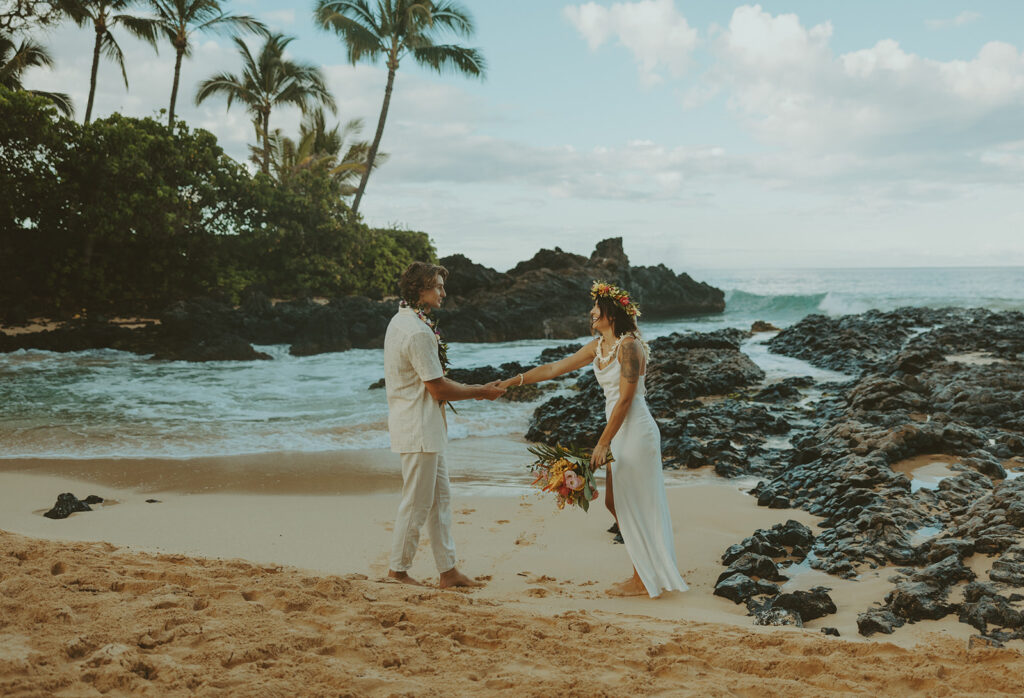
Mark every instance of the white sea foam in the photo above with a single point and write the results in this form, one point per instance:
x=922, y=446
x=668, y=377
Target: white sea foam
x=840, y=304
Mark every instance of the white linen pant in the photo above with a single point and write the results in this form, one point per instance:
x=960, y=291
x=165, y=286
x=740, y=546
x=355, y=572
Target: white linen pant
x=426, y=498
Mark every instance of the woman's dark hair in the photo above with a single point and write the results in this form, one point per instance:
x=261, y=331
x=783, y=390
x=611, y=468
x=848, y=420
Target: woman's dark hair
x=417, y=278
x=622, y=322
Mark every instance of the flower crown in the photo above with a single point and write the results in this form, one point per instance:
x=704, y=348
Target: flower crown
x=602, y=289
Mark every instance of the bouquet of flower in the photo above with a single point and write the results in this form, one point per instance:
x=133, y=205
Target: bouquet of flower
x=566, y=472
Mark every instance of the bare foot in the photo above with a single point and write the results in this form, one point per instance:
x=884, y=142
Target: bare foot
x=454, y=578
x=404, y=578
x=630, y=587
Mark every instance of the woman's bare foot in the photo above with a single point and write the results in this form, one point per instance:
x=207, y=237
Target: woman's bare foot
x=404, y=578
x=631, y=587
x=454, y=578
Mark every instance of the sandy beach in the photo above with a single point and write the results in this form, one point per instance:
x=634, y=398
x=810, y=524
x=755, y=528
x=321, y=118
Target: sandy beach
x=266, y=575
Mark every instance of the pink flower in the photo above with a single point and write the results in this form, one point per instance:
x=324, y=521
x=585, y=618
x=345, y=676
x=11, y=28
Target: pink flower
x=573, y=481
x=624, y=300
x=564, y=491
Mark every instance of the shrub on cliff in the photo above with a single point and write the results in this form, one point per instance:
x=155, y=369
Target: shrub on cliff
x=129, y=214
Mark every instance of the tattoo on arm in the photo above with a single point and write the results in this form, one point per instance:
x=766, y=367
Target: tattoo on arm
x=629, y=359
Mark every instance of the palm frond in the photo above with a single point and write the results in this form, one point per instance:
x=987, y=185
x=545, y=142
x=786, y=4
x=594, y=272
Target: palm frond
x=14, y=61
x=145, y=28
x=224, y=84
x=110, y=49
x=453, y=17
x=60, y=100
x=360, y=41
x=224, y=22
x=448, y=57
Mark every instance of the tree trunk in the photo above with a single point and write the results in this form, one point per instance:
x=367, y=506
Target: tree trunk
x=376, y=138
x=266, y=141
x=92, y=78
x=174, y=87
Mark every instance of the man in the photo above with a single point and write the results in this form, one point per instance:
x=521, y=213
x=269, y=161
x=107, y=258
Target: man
x=417, y=390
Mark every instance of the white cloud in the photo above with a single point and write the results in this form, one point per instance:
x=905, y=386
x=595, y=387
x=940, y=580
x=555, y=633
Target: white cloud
x=658, y=36
x=787, y=85
x=965, y=17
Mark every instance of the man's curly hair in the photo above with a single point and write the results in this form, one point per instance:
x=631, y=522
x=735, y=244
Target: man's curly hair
x=418, y=277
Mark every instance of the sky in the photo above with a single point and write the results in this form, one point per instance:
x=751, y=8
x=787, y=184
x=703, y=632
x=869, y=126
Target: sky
x=708, y=135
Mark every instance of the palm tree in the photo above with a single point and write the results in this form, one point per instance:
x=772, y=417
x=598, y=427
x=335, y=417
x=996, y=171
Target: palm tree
x=16, y=59
x=178, y=20
x=269, y=80
x=104, y=15
x=394, y=29
x=317, y=146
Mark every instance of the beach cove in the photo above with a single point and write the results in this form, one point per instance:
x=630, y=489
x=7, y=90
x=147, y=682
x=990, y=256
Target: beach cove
x=261, y=559
x=226, y=586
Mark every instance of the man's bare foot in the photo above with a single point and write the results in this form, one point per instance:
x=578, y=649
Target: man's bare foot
x=630, y=587
x=404, y=578
x=454, y=578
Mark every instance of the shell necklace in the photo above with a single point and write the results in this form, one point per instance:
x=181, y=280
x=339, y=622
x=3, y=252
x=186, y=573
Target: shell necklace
x=603, y=358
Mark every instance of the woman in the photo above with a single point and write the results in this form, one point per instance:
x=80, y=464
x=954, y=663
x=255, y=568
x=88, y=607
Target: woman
x=638, y=504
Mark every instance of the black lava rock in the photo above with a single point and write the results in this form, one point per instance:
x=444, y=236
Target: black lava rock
x=67, y=504
x=812, y=604
x=878, y=620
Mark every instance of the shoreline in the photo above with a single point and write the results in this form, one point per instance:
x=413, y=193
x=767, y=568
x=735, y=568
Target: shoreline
x=533, y=556
x=338, y=472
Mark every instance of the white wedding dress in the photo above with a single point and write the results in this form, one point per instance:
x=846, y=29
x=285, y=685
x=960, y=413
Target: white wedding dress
x=639, y=487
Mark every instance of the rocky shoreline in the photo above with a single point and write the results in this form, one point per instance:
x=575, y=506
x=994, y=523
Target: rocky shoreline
x=925, y=386
x=544, y=297
x=947, y=384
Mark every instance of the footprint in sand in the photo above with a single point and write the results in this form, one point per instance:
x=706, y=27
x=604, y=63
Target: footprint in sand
x=466, y=511
x=502, y=521
x=537, y=592
x=526, y=539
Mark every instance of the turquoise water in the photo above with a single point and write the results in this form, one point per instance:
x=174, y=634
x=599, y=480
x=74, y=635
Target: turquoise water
x=113, y=404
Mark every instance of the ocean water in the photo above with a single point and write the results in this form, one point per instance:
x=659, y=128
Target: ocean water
x=110, y=404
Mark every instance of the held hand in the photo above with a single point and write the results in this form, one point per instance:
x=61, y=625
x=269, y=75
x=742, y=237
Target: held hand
x=599, y=456
x=508, y=383
x=492, y=390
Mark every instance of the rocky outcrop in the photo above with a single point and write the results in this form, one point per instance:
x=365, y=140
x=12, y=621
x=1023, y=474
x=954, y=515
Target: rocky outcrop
x=753, y=567
x=852, y=343
x=726, y=431
x=548, y=296
x=544, y=297
x=947, y=382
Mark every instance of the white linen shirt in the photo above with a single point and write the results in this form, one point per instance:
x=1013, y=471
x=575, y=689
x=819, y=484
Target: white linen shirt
x=415, y=419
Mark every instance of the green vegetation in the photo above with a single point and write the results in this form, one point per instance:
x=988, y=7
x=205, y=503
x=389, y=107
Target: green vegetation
x=128, y=215
x=125, y=214
x=393, y=30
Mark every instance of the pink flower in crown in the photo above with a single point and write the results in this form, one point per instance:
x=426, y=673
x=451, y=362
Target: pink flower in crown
x=624, y=300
